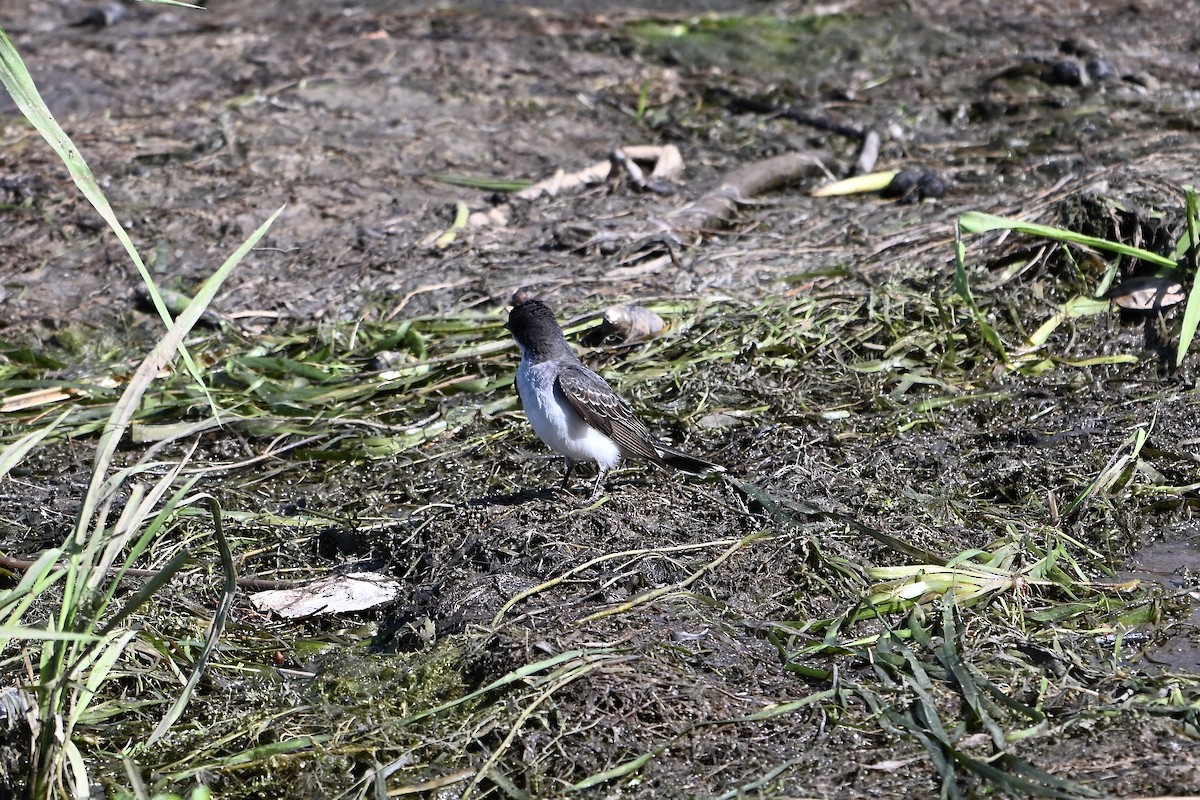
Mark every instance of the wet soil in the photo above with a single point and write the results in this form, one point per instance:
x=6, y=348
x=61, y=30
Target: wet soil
x=199, y=124
x=1174, y=563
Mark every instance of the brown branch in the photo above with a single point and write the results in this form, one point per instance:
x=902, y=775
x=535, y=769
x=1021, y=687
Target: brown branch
x=715, y=208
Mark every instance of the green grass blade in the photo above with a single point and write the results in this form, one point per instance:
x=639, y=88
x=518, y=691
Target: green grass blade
x=149, y=532
x=36, y=579
x=8, y=632
x=16, y=451
x=619, y=771
x=1072, y=309
x=978, y=222
x=1027, y=781
x=159, y=357
x=43, y=574
x=1187, y=240
x=147, y=590
x=78, y=770
x=484, y=184
x=962, y=287
x=1113, y=471
x=947, y=652
x=20, y=85
x=214, y=631
x=134, y=776
x=1191, y=313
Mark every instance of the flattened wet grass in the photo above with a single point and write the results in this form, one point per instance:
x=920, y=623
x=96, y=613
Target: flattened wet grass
x=914, y=550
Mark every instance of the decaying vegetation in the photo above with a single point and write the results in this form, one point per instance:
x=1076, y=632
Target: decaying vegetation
x=942, y=446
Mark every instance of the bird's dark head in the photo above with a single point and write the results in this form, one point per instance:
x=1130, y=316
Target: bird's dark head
x=533, y=325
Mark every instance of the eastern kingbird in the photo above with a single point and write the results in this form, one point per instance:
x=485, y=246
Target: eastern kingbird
x=573, y=410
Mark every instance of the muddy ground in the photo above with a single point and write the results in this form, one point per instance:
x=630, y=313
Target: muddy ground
x=199, y=124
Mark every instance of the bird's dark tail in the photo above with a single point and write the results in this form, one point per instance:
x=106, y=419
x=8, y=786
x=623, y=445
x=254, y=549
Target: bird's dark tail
x=682, y=461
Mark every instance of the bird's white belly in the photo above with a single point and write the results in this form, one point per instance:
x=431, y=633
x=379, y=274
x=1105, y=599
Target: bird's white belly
x=561, y=428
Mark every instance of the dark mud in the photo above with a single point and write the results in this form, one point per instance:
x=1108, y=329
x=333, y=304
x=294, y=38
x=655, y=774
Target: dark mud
x=837, y=344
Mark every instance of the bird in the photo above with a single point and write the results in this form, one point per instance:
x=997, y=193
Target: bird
x=573, y=410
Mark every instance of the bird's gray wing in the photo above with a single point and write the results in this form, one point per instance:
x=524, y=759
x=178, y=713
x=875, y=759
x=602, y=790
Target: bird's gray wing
x=601, y=408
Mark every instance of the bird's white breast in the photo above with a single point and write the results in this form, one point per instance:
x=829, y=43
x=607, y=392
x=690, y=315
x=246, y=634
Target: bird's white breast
x=557, y=424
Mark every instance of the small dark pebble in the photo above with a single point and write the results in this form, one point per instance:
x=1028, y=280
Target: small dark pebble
x=1099, y=69
x=102, y=16
x=333, y=543
x=574, y=235
x=176, y=303
x=19, y=191
x=658, y=186
x=1078, y=46
x=1067, y=72
x=911, y=185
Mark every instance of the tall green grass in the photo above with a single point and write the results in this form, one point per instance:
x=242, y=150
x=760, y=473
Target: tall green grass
x=75, y=649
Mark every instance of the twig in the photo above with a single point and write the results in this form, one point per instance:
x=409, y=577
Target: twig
x=715, y=208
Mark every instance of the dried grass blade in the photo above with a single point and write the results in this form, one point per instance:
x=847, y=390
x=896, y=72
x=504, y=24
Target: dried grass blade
x=561, y=678
x=794, y=514
x=1113, y=471
x=541, y=587
x=655, y=594
x=634, y=764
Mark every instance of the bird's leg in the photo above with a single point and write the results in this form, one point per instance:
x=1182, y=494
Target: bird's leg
x=567, y=476
x=599, y=481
